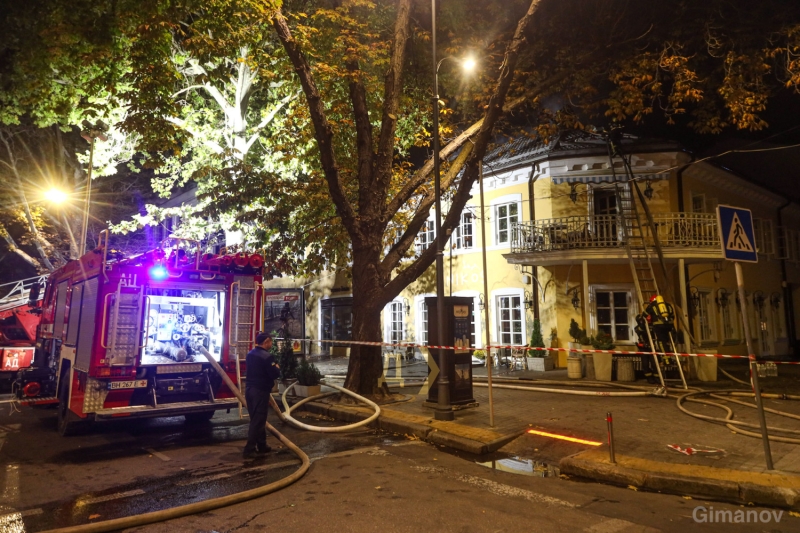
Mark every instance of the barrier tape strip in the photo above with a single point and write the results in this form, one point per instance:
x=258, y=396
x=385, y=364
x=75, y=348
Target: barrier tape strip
x=517, y=347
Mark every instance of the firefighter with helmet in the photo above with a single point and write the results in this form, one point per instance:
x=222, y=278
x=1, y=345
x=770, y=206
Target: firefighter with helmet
x=659, y=316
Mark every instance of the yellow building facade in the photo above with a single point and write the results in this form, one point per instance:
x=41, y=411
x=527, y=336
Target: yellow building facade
x=555, y=249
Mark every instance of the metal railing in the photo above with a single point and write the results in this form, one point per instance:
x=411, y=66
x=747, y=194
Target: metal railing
x=689, y=230
x=16, y=290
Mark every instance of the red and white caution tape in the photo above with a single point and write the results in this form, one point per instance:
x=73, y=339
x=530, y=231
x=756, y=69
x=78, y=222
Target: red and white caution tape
x=517, y=347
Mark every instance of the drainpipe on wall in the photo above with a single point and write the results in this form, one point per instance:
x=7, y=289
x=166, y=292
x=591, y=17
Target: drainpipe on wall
x=788, y=303
x=532, y=177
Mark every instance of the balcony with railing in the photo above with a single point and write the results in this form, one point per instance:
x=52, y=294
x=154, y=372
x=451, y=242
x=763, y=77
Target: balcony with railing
x=693, y=236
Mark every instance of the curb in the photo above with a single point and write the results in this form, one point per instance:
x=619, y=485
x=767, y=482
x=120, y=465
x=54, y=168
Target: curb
x=771, y=489
x=412, y=427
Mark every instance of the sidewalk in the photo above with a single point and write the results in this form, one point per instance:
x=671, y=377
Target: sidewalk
x=731, y=467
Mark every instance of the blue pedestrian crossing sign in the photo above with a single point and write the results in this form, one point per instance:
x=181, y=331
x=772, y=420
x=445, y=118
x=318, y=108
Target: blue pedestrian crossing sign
x=736, y=234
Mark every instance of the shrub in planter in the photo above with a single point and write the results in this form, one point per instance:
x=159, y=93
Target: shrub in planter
x=308, y=379
x=286, y=359
x=537, y=341
x=603, y=341
x=538, y=357
x=576, y=332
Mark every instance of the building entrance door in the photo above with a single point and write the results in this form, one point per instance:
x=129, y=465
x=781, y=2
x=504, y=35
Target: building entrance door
x=605, y=216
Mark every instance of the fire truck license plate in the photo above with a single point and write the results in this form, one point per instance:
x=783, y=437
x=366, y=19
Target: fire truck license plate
x=138, y=384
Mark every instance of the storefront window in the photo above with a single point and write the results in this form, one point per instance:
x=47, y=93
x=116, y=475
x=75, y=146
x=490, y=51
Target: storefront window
x=337, y=319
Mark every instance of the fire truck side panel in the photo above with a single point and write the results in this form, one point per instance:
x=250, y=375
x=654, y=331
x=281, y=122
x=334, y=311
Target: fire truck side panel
x=61, y=308
x=73, y=314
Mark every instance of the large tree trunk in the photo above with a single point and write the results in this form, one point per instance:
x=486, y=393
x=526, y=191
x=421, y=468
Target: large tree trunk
x=366, y=363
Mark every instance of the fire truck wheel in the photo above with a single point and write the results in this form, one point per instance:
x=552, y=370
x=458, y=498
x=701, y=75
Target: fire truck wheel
x=66, y=426
x=199, y=418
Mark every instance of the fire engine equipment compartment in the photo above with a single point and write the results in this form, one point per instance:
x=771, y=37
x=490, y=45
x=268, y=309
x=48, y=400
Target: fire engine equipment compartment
x=179, y=321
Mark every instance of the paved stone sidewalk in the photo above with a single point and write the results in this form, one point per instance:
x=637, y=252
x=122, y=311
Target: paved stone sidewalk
x=644, y=427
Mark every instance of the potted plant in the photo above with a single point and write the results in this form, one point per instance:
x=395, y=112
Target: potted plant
x=603, y=361
x=576, y=333
x=308, y=379
x=287, y=362
x=538, y=357
x=479, y=357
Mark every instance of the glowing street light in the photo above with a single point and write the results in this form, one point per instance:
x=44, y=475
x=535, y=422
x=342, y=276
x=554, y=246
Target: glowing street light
x=56, y=196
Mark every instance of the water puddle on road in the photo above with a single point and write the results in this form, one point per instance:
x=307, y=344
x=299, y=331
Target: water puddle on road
x=523, y=467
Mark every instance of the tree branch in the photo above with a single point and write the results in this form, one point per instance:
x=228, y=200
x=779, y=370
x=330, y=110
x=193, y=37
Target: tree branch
x=268, y=119
x=12, y=246
x=398, y=251
x=391, y=102
x=358, y=96
x=323, y=132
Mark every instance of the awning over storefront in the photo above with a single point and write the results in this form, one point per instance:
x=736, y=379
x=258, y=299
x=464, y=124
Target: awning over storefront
x=607, y=179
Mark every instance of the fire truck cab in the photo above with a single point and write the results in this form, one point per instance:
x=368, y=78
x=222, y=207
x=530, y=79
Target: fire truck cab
x=124, y=337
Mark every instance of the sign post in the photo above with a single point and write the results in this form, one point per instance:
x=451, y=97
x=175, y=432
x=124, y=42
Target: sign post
x=738, y=245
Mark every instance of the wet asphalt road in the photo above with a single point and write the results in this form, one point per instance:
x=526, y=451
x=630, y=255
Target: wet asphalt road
x=360, y=481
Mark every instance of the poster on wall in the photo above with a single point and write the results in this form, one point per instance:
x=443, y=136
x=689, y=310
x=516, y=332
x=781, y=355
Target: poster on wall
x=284, y=315
x=461, y=328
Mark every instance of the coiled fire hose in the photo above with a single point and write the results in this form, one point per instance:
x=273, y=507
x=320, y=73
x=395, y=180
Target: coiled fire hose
x=239, y=497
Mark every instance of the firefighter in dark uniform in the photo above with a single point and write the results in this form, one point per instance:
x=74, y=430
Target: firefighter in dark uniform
x=660, y=317
x=262, y=371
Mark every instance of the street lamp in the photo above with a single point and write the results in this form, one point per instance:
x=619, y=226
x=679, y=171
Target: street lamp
x=90, y=133
x=55, y=196
x=444, y=410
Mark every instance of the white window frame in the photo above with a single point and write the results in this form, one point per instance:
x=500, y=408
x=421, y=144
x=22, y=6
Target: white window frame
x=632, y=310
x=494, y=207
x=497, y=329
x=421, y=319
x=464, y=237
x=765, y=236
x=394, y=315
x=426, y=236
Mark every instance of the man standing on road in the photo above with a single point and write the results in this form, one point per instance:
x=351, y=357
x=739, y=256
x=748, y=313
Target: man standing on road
x=262, y=371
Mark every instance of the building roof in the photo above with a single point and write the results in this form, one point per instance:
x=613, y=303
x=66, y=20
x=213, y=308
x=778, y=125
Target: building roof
x=530, y=148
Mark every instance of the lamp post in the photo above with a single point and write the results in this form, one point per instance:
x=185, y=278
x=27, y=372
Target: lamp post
x=90, y=133
x=444, y=410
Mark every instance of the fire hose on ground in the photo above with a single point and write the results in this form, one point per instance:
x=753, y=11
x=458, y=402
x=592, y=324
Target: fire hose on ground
x=734, y=425
x=239, y=497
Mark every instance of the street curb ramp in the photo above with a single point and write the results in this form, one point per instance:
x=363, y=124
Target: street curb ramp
x=775, y=489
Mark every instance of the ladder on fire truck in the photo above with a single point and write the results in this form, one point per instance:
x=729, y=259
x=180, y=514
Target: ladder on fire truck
x=639, y=258
x=244, y=294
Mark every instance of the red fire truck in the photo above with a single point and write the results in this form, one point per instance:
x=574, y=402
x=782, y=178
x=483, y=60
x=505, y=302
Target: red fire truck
x=19, y=316
x=123, y=337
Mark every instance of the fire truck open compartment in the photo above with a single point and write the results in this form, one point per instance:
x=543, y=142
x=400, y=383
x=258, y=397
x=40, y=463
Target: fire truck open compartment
x=179, y=321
